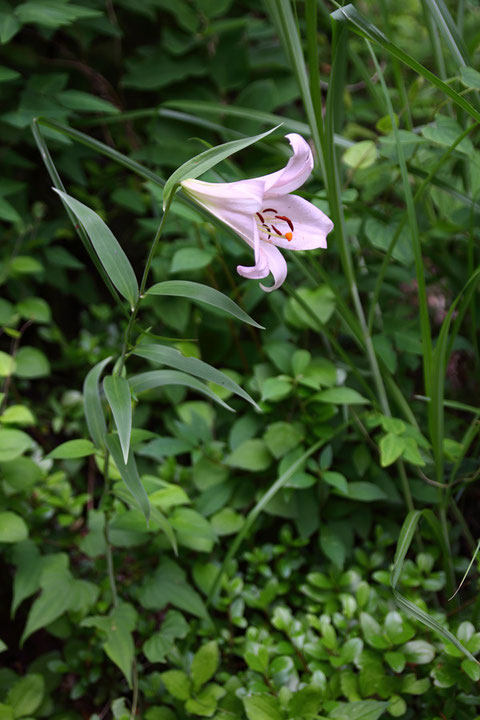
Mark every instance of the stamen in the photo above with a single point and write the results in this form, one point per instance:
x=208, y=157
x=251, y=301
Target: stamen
x=277, y=230
x=260, y=217
x=287, y=220
x=267, y=229
x=265, y=210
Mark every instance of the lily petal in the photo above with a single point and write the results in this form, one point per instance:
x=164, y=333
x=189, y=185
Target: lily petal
x=295, y=172
x=235, y=204
x=276, y=265
x=310, y=225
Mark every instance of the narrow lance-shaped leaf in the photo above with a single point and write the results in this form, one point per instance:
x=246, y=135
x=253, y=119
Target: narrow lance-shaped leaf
x=117, y=392
x=129, y=474
x=92, y=403
x=169, y=356
x=107, y=247
x=159, y=378
x=204, y=294
x=205, y=161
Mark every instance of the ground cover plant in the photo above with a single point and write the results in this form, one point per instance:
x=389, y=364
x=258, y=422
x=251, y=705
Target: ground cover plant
x=217, y=499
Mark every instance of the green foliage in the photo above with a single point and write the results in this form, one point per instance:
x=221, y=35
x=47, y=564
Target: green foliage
x=166, y=557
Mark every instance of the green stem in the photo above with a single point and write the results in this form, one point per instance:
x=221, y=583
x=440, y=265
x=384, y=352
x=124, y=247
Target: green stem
x=141, y=295
x=448, y=562
x=405, y=486
x=106, y=534
x=134, y=690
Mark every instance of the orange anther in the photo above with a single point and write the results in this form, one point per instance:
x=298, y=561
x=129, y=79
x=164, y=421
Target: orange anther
x=289, y=236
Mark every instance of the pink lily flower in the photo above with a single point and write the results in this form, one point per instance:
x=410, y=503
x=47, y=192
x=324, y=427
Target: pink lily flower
x=266, y=215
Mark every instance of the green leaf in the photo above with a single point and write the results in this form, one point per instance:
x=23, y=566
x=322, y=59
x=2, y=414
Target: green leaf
x=470, y=77
x=119, y=645
x=13, y=443
x=112, y=257
x=168, y=585
x=306, y=703
x=84, y=102
x=9, y=26
x=53, y=13
x=250, y=455
x=7, y=364
x=418, y=652
x=204, y=664
x=204, y=294
x=193, y=530
x=341, y=396
x=26, y=695
x=361, y=710
x=35, y=308
x=187, y=259
x=445, y=132
x=372, y=632
x=52, y=603
x=276, y=389
x=192, y=365
x=129, y=474
x=361, y=155
x=332, y=545
x=205, y=702
x=396, y=660
x=17, y=415
x=311, y=308
x=8, y=212
x=177, y=684
x=12, y=528
x=117, y=392
x=92, y=403
x=72, y=449
x=363, y=491
x=227, y=521
x=262, y=707
x=336, y=480
x=27, y=576
x=281, y=437
x=31, y=363
x=205, y=161
x=160, y=378
x=160, y=643
x=391, y=447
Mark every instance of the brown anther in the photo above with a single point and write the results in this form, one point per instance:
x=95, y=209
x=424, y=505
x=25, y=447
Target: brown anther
x=265, y=210
x=260, y=217
x=287, y=220
x=276, y=230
